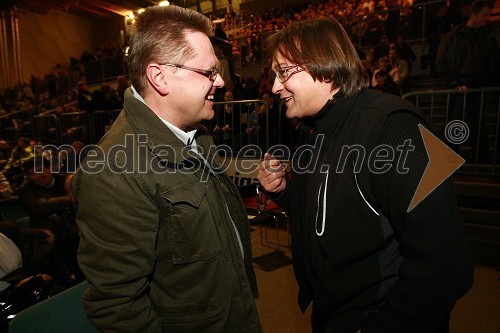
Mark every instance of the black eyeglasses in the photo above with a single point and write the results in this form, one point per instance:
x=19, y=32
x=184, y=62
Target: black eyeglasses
x=284, y=73
x=210, y=73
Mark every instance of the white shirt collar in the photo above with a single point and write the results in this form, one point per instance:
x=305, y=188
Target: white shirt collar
x=186, y=137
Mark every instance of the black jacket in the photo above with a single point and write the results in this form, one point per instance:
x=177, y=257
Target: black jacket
x=358, y=255
x=467, y=57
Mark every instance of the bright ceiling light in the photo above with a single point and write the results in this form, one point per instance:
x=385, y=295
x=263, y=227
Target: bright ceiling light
x=163, y=3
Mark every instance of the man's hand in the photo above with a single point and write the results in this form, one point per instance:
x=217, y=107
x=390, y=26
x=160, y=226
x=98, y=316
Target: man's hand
x=272, y=174
x=463, y=89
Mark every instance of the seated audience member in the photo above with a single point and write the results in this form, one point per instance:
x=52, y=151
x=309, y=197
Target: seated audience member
x=225, y=70
x=121, y=85
x=264, y=79
x=103, y=98
x=70, y=160
x=399, y=68
x=50, y=207
x=87, y=57
x=385, y=84
x=20, y=153
x=4, y=153
x=383, y=64
x=383, y=46
x=84, y=97
x=250, y=88
x=227, y=127
x=404, y=50
x=278, y=124
x=254, y=129
x=369, y=64
x=5, y=188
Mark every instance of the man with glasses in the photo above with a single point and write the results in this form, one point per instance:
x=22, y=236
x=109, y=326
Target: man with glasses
x=165, y=240
x=363, y=259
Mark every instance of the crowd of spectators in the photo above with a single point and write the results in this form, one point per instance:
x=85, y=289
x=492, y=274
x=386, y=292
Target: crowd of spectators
x=388, y=62
x=58, y=87
x=364, y=20
x=367, y=21
x=46, y=236
x=44, y=239
x=382, y=27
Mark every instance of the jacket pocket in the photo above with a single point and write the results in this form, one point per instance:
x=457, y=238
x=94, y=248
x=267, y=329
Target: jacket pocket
x=188, y=319
x=192, y=226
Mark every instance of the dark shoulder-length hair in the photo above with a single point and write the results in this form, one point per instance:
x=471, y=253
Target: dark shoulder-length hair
x=323, y=47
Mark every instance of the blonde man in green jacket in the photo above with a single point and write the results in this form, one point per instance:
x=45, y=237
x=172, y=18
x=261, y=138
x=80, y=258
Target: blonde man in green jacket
x=165, y=241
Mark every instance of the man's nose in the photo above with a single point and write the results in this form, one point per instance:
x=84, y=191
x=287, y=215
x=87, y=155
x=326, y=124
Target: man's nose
x=219, y=82
x=277, y=86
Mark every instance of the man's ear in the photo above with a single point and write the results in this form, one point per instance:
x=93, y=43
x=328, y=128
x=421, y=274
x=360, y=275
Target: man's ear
x=157, y=78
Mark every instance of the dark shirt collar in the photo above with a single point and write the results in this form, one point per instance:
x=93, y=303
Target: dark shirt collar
x=331, y=114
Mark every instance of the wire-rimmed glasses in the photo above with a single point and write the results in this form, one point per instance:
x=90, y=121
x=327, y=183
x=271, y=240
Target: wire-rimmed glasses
x=211, y=74
x=284, y=73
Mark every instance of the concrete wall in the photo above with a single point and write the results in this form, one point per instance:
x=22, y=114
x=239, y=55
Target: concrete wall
x=53, y=38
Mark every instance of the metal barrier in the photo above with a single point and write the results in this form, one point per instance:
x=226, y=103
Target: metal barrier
x=17, y=123
x=105, y=69
x=47, y=106
x=28, y=122
x=239, y=123
x=232, y=119
x=65, y=128
x=101, y=122
x=250, y=122
x=50, y=109
x=74, y=126
x=479, y=110
x=236, y=124
x=46, y=129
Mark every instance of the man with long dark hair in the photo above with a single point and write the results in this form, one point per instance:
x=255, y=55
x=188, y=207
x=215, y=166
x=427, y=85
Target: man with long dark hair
x=364, y=259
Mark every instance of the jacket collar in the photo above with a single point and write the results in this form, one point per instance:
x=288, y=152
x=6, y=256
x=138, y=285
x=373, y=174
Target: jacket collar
x=161, y=141
x=331, y=115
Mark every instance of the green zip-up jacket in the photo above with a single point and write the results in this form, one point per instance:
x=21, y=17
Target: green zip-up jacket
x=161, y=235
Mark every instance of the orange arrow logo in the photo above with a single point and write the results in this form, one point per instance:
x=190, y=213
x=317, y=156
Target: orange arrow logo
x=443, y=161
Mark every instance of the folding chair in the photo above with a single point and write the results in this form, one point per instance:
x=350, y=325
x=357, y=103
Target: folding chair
x=264, y=216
